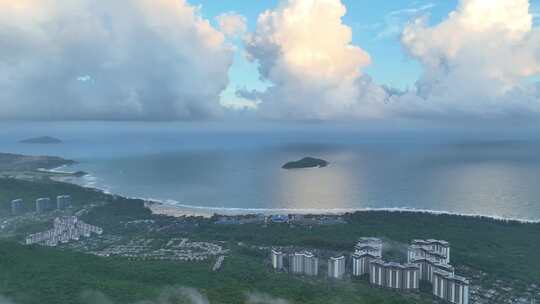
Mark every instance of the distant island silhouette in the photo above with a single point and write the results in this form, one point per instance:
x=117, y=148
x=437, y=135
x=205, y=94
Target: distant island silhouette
x=306, y=162
x=41, y=140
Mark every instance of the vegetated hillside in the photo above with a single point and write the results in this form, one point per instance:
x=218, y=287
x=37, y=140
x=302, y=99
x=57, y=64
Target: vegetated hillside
x=16, y=162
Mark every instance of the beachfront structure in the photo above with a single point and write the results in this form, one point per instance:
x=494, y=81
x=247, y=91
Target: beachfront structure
x=360, y=263
x=277, y=259
x=17, y=206
x=449, y=287
x=63, y=202
x=64, y=230
x=369, y=245
x=43, y=204
x=304, y=263
x=279, y=218
x=336, y=267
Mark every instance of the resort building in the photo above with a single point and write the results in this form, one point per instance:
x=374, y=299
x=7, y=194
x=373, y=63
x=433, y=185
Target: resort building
x=377, y=273
x=63, y=202
x=360, y=263
x=394, y=275
x=336, y=267
x=43, y=204
x=17, y=206
x=369, y=245
x=449, y=287
x=296, y=263
x=411, y=277
x=277, y=259
x=304, y=263
x=311, y=264
x=432, y=249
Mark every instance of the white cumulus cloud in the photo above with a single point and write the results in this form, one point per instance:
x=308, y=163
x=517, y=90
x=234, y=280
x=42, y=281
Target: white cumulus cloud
x=232, y=24
x=477, y=61
x=305, y=51
x=136, y=59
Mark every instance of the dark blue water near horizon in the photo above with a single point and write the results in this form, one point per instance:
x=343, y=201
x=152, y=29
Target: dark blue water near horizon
x=217, y=166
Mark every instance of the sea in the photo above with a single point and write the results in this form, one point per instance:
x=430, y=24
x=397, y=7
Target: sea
x=237, y=166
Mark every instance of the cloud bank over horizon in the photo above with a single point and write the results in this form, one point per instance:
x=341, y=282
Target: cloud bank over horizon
x=160, y=60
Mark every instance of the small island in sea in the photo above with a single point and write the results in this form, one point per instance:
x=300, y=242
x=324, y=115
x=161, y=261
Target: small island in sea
x=306, y=162
x=41, y=140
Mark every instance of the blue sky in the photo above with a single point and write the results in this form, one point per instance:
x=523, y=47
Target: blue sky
x=375, y=25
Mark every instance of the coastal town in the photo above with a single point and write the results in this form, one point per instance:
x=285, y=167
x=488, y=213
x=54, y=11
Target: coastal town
x=425, y=263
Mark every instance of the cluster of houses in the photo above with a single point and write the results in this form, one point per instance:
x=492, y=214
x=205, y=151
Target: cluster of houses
x=427, y=260
x=175, y=250
x=291, y=219
x=65, y=229
x=42, y=205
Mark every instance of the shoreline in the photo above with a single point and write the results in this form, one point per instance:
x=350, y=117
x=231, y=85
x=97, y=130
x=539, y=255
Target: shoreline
x=174, y=208
x=168, y=208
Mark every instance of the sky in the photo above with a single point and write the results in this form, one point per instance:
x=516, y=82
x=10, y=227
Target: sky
x=284, y=60
x=376, y=27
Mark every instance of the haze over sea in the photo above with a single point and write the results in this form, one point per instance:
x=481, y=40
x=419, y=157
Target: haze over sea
x=217, y=166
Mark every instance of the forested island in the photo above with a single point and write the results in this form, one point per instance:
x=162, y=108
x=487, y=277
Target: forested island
x=306, y=162
x=41, y=140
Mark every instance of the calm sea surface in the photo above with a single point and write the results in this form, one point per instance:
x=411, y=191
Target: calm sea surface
x=221, y=167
